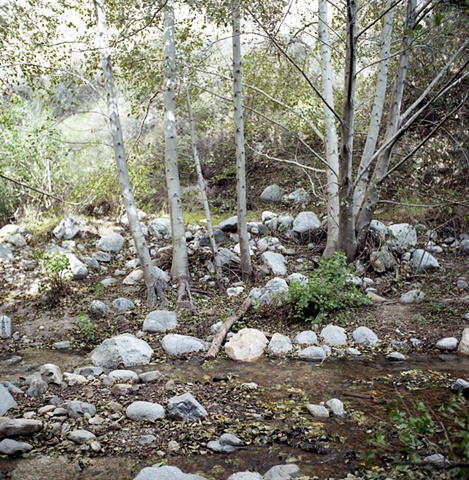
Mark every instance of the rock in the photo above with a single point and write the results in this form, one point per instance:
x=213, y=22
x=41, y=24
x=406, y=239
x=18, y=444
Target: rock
x=460, y=385
x=227, y=257
x=37, y=388
x=279, y=345
x=160, y=321
x=6, y=327
x=306, y=337
x=448, y=343
x=247, y=345
x=396, y=357
x=365, y=336
x=312, y=353
x=298, y=197
x=285, y=222
x=273, y=194
x=62, y=345
x=437, y=459
x=77, y=408
x=166, y=473
x=6, y=255
x=124, y=349
x=18, y=427
x=51, y=373
x=68, y=228
x=81, y=436
x=102, y=257
x=336, y=406
x=378, y=226
x=186, y=407
x=402, y=236
x=229, y=225
x=90, y=262
x=334, y=336
x=382, y=260
x=146, y=439
x=98, y=309
x=112, y=242
x=275, y=292
x=297, y=277
x=424, y=261
x=234, y=291
x=175, y=344
x=74, y=379
x=462, y=284
x=123, y=304
x=6, y=400
x=353, y=352
x=150, y=377
x=12, y=447
x=161, y=228
x=124, y=376
x=306, y=222
x=282, y=472
x=227, y=443
x=245, y=476
x=219, y=236
x=275, y=262
x=463, y=246
x=463, y=347
x=413, y=296
x=145, y=411
x=319, y=411
x=17, y=240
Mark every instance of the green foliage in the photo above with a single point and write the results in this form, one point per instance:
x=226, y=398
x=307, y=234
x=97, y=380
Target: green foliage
x=87, y=328
x=56, y=266
x=328, y=289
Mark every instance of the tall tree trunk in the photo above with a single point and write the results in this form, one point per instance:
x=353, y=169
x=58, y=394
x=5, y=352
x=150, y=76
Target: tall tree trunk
x=180, y=263
x=347, y=238
x=203, y=193
x=371, y=196
x=152, y=282
x=332, y=142
x=246, y=265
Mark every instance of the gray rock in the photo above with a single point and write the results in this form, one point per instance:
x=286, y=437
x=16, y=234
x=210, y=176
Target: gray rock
x=175, y=344
x=279, y=345
x=227, y=443
x=229, y=225
x=98, y=309
x=77, y=408
x=463, y=347
x=245, y=476
x=378, y=226
x=463, y=246
x=382, y=260
x=285, y=222
x=166, y=473
x=306, y=337
x=365, y=336
x=102, y=257
x=121, y=376
x=6, y=327
x=462, y=284
x=6, y=255
x=275, y=292
x=298, y=197
x=319, y=411
x=413, y=296
x=123, y=304
x=17, y=240
x=186, y=407
x=6, y=400
x=68, y=228
x=150, y=377
x=12, y=447
x=125, y=349
x=334, y=336
x=146, y=439
x=62, y=345
x=160, y=321
x=247, y=345
x=306, y=222
x=160, y=228
x=396, y=357
x=297, y=277
x=336, y=406
x=227, y=257
x=273, y=194
x=89, y=371
x=424, y=261
x=37, y=388
x=460, y=385
x=112, y=242
x=353, y=352
x=90, y=262
x=219, y=236
x=312, y=353
x=282, y=472
x=18, y=427
x=276, y=262
x=437, y=459
x=448, y=343
x=402, y=236
x=81, y=436
x=147, y=411
x=77, y=267
x=51, y=373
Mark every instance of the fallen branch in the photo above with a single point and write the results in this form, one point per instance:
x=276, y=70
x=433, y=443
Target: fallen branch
x=225, y=328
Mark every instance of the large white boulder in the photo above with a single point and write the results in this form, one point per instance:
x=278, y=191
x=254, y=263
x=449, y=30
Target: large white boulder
x=306, y=222
x=247, y=345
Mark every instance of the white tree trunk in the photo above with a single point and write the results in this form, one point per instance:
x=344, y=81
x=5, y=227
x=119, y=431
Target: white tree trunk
x=332, y=141
x=180, y=264
x=246, y=265
x=151, y=280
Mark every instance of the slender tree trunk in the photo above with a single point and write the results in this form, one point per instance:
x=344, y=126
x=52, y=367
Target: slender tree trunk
x=203, y=192
x=347, y=238
x=153, y=284
x=180, y=263
x=332, y=142
x=246, y=265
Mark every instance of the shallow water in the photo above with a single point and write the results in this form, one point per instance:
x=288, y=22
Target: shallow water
x=368, y=385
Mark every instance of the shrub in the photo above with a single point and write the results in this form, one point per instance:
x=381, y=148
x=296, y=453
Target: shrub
x=56, y=266
x=328, y=289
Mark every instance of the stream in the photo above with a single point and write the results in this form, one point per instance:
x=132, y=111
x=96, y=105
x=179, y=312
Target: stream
x=369, y=387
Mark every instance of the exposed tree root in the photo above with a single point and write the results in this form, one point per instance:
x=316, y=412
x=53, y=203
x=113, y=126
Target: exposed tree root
x=225, y=328
x=184, y=290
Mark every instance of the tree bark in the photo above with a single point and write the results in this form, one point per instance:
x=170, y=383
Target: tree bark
x=246, y=265
x=153, y=284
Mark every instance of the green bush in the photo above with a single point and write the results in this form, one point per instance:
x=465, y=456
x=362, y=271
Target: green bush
x=56, y=267
x=328, y=289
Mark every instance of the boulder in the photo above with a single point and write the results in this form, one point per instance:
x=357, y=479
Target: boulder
x=463, y=347
x=306, y=222
x=460, y=385
x=112, y=242
x=12, y=447
x=160, y=321
x=6, y=255
x=312, y=353
x=382, y=260
x=282, y=472
x=123, y=304
x=175, y=344
x=336, y=406
x=218, y=235
x=413, y=296
x=273, y=194
x=299, y=197
x=334, y=336
x=81, y=436
x=318, y=411
x=120, y=376
x=402, y=237
x=98, y=309
x=245, y=476
x=18, y=427
x=365, y=336
x=77, y=409
x=275, y=292
x=68, y=228
x=51, y=373
x=161, y=228
x=6, y=327
x=124, y=349
x=306, y=337
x=276, y=262
x=186, y=407
x=166, y=473
x=279, y=345
x=227, y=443
x=447, y=344
x=6, y=400
x=147, y=411
x=247, y=345
x=424, y=261
x=229, y=225
x=227, y=257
